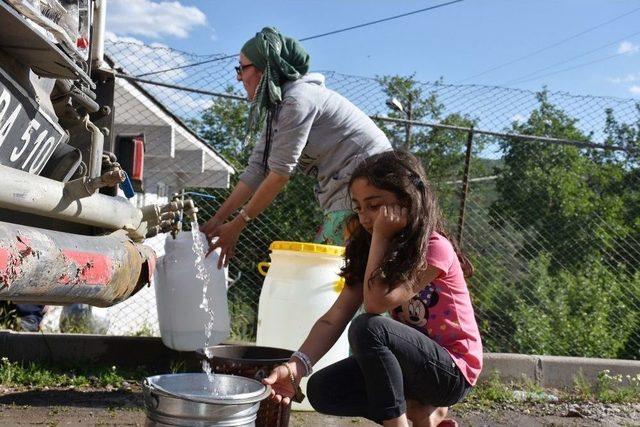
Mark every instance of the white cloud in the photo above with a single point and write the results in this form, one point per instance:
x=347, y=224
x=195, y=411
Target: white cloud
x=136, y=58
x=626, y=47
x=635, y=90
x=153, y=19
x=629, y=78
x=518, y=118
x=214, y=35
x=187, y=105
x=112, y=37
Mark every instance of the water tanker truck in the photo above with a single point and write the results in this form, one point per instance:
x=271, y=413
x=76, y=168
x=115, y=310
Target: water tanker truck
x=66, y=235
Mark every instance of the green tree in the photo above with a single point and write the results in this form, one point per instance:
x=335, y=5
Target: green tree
x=621, y=175
x=575, y=314
x=551, y=189
x=415, y=104
x=222, y=125
x=442, y=151
x=576, y=214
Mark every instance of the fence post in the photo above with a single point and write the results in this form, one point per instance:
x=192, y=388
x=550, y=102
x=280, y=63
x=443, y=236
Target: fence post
x=465, y=186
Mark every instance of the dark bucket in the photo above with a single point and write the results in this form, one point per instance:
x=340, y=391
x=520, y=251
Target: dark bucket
x=252, y=362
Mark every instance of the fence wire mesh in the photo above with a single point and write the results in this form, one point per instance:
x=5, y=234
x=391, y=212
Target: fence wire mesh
x=553, y=229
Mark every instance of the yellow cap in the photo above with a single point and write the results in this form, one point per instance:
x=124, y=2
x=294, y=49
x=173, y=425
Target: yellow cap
x=314, y=248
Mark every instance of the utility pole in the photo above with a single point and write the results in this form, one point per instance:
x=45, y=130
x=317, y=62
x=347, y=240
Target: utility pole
x=407, y=139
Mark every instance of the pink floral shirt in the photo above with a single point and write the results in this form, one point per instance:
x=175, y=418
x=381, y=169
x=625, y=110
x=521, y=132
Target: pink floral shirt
x=443, y=311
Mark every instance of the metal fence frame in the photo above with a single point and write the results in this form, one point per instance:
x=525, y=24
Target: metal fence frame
x=464, y=209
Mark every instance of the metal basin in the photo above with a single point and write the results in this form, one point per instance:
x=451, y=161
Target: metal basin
x=251, y=362
x=192, y=400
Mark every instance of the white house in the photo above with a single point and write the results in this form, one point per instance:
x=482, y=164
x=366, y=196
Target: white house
x=175, y=157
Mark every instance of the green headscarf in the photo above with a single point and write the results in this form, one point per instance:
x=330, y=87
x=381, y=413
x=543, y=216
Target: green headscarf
x=280, y=59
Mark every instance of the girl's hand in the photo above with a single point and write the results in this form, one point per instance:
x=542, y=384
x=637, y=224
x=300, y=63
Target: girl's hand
x=227, y=237
x=390, y=220
x=282, y=390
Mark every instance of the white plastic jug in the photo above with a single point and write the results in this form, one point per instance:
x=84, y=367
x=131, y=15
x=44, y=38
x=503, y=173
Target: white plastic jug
x=179, y=295
x=301, y=285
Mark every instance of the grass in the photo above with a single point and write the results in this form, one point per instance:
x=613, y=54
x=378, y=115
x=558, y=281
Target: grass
x=489, y=391
x=8, y=316
x=145, y=331
x=608, y=389
x=14, y=374
x=243, y=320
x=177, y=366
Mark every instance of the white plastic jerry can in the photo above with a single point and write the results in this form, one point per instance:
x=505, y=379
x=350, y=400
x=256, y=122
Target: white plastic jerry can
x=301, y=284
x=179, y=294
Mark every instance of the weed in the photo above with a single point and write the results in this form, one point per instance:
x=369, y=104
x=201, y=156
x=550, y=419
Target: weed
x=616, y=388
x=8, y=316
x=490, y=390
x=14, y=374
x=607, y=389
x=581, y=388
x=244, y=319
x=177, y=366
x=110, y=377
x=145, y=331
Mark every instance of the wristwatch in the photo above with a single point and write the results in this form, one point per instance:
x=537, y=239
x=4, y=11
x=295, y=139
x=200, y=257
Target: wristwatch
x=245, y=216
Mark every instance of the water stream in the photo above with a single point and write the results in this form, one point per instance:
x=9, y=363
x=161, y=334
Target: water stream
x=200, y=250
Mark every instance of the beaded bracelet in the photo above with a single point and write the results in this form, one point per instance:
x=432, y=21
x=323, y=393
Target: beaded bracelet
x=299, y=395
x=305, y=361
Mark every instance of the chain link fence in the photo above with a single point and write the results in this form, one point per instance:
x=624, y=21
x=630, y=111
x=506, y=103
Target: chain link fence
x=541, y=190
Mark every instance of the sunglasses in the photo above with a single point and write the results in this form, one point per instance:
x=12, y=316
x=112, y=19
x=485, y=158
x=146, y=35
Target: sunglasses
x=240, y=68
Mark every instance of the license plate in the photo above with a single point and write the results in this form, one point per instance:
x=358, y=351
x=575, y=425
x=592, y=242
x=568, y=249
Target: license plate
x=28, y=135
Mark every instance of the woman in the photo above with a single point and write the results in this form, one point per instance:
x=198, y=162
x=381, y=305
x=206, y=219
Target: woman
x=305, y=127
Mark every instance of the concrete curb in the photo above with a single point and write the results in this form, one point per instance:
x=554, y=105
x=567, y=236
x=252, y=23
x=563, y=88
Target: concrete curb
x=555, y=371
x=71, y=350
x=125, y=351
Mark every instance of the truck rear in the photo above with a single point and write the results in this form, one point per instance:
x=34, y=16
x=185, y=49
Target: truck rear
x=67, y=235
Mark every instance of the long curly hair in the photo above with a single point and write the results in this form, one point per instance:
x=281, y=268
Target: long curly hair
x=401, y=173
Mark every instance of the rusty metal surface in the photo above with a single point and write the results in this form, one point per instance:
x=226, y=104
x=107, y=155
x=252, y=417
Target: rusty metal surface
x=51, y=267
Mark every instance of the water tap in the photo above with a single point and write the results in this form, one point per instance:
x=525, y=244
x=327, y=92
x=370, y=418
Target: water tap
x=172, y=213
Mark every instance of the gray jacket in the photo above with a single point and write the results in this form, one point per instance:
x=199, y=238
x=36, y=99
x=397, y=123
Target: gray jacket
x=320, y=133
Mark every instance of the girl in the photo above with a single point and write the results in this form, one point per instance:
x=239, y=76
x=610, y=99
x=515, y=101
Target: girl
x=428, y=354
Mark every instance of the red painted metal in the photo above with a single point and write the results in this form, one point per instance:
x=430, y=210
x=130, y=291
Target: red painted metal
x=93, y=268
x=52, y=267
x=11, y=259
x=137, y=168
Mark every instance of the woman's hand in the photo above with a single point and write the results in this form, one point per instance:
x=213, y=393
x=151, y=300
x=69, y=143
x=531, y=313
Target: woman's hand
x=282, y=390
x=210, y=228
x=225, y=237
x=390, y=220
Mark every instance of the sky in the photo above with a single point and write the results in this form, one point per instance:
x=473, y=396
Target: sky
x=583, y=47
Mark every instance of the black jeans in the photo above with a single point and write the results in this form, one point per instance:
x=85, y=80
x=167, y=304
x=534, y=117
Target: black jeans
x=29, y=316
x=391, y=363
